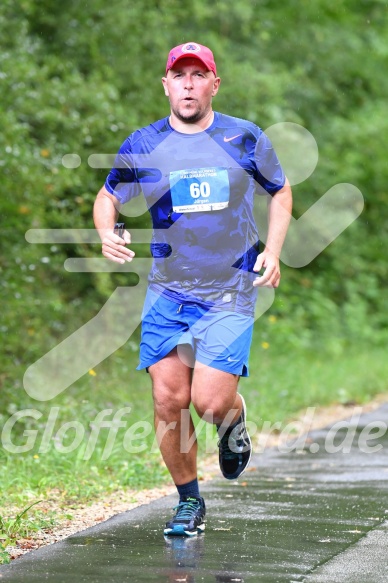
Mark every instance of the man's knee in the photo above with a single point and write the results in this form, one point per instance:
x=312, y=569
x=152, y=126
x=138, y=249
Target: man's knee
x=213, y=410
x=169, y=400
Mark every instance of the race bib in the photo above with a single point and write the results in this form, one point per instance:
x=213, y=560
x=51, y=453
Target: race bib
x=199, y=189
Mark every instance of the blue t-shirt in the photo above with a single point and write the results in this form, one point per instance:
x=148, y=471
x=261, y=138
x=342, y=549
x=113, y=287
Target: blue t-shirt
x=199, y=189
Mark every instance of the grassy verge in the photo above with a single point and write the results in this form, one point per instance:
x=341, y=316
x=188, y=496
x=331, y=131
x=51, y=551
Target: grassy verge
x=22, y=525
x=73, y=448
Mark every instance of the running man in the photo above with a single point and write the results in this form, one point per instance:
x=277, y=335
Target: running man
x=199, y=171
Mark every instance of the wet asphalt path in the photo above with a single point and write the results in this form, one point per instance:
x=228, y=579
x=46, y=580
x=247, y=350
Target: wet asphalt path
x=305, y=515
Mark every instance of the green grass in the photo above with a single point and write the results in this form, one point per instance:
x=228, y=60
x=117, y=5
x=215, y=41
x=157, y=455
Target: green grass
x=288, y=374
x=22, y=525
x=282, y=385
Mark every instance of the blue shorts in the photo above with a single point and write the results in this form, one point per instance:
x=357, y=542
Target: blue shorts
x=220, y=339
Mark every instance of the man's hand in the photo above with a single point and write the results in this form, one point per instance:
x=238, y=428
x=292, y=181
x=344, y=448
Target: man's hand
x=114, y=247
x=105, y=212
x=271, y=275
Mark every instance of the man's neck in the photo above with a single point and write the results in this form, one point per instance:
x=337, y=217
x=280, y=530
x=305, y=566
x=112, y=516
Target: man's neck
x=192, y=128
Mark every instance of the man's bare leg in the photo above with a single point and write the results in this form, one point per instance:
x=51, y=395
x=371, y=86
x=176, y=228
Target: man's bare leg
x=214, y=395
x=171, y=381
x=215, y=398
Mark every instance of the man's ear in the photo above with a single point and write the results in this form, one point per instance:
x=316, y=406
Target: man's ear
x=164, y=81
x=216, y=86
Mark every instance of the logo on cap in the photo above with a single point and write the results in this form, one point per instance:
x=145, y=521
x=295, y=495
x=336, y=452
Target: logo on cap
x=191, y=48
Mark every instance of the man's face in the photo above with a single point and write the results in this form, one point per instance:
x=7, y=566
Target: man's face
x=190, y=88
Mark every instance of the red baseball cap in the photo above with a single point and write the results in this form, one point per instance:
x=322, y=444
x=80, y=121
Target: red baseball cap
x=194, y=50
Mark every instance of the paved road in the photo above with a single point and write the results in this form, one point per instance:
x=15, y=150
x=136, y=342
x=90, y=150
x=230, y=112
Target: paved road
x=301, y=516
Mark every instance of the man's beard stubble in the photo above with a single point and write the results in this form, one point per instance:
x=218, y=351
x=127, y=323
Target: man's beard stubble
x=191, y=118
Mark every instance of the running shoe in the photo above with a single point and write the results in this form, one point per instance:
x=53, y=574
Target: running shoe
x=235, y=448
x=189, y=518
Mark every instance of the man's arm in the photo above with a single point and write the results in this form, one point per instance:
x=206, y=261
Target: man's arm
x=279, y=215
x=105, y=214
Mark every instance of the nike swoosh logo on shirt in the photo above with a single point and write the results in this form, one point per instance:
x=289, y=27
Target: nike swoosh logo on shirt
x=232, y=138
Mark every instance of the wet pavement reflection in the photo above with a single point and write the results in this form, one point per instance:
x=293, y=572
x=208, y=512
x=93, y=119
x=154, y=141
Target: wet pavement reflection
x=297, y=516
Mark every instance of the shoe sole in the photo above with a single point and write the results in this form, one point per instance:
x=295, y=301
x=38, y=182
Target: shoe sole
x=244, y=414
x=179, y=530
x=244, y=409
